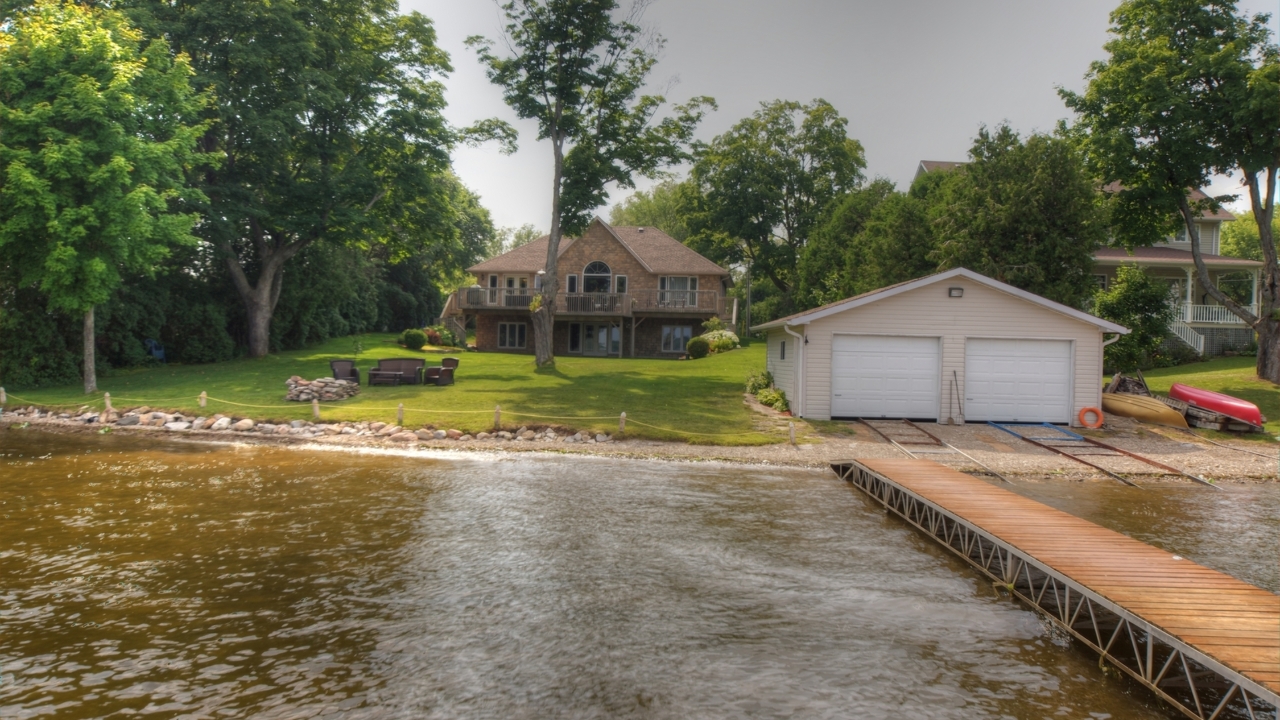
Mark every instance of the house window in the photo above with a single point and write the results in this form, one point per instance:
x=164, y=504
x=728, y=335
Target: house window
x=571, y=284
x=596, y=278
x=782, y=350
x=675, y=337
x=678, y=291
x=575, y=336
x=1100, y=281
x=620, y=284
x=511, y=335
x=493, y=281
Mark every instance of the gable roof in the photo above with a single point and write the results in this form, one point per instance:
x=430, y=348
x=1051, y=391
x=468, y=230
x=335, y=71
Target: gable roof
x=808, y=316
x=656, y=251
x=928, y=166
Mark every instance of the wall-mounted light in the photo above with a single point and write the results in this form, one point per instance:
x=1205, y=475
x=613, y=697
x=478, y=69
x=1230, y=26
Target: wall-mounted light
x=955, y=292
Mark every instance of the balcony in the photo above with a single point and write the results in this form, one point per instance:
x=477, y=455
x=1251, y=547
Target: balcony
x=1210, y=314
x=655, y=302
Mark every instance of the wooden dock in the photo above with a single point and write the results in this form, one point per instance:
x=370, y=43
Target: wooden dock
x=1204, y=641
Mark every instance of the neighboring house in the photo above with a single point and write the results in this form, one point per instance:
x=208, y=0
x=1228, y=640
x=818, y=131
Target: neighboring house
x=1201, y=321
x=954, y=346
x=623, y=292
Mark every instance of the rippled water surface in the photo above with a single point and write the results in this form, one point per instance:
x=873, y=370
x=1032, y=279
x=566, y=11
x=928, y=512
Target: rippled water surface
x=214, y=581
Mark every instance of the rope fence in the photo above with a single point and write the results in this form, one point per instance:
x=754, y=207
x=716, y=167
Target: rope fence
x=105, y=399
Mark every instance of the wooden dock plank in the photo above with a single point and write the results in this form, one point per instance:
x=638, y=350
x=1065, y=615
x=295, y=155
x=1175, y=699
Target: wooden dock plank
x=1234, y=622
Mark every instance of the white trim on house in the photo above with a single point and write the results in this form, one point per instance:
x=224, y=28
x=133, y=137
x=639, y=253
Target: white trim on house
x=807, y=317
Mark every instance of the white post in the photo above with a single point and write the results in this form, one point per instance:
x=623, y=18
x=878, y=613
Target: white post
x=315, y=408
x=204, y=398
x=400, y=414
x=622, y=423
x=1253, y=294
x=497, y=418
x=3, y=398
x=106, y=399
x=1191, y=281
x=791, y=429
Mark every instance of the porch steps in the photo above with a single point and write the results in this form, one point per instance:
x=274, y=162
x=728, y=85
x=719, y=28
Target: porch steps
x=1188, y=336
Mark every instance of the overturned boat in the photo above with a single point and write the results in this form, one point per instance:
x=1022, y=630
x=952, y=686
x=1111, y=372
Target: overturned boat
x=1208, y=403
x=1143, y=408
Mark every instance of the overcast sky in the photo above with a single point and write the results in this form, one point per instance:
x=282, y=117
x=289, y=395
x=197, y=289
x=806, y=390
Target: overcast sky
x=915, y=78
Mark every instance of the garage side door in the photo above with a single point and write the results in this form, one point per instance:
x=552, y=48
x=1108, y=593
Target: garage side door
x=1017, y=380
x=888, y=376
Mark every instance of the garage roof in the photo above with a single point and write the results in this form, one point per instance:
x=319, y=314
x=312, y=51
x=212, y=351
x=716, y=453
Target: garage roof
x=808, y=316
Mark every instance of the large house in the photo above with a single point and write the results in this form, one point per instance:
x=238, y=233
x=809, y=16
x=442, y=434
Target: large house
x=623, y=292
x=1200, y=322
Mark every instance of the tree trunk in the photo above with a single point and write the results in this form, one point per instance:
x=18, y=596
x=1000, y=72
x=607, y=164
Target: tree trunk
x=1268, y=364
x=544, y=320
x=260, y=298
x=1262, y=202
x=90, y=371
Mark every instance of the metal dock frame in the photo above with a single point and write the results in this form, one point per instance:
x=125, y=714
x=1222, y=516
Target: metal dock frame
x=1191, y=681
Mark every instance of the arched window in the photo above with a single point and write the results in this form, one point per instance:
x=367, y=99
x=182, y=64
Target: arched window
x=596, y=278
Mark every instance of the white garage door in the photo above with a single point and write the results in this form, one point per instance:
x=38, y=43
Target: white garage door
x=875, y=376
x=1017, y=380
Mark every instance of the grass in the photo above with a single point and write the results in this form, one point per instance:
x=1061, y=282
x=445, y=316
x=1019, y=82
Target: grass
x=698, y=400
x=1233, y=376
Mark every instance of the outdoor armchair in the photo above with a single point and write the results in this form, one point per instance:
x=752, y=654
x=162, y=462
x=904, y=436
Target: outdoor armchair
x=345, y=370
x=439, y=376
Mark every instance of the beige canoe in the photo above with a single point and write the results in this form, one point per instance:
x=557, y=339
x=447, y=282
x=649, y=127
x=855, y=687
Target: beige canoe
x=1141, y=407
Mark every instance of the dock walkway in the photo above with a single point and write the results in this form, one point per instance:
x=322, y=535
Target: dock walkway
x=1202, y=640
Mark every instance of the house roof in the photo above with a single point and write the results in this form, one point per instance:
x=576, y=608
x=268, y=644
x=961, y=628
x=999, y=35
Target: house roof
x=656, y=251
x=928, y=166
x=1166, y=256
x=808, y=316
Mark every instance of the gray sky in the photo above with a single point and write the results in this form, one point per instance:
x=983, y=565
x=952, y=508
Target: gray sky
x=915, y=78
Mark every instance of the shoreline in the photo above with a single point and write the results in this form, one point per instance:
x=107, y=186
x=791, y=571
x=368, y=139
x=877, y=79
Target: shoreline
x=1029, y=464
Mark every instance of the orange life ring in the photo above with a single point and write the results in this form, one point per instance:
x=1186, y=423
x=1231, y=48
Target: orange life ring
x=1097, y=415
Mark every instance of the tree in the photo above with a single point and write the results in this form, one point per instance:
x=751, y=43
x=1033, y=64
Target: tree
x=1023, y=212
x=329, y=120
x=1239, y=237
x=832, y=262
x=511, y=238
x=662, y=207
x=1189, y=89
x=1140, y=303
x=764, y=185
x=99, y=129
x=578, y=71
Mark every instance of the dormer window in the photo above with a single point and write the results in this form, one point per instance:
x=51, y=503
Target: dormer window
x=597, y=278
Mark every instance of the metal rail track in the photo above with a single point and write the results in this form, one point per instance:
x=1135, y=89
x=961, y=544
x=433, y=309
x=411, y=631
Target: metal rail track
x=930, y=441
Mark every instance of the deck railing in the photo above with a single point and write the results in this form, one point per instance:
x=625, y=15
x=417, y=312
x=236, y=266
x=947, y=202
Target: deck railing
x=1212, y=314
x=693, y=302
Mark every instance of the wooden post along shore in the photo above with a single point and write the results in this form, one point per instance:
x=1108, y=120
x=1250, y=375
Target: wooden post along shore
x=1205, y=642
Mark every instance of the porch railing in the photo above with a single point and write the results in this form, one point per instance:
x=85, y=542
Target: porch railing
x=1211, y=314
x=593, y=304
x=496, y=298
x=701, y=302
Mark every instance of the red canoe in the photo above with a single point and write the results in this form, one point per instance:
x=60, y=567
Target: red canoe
x=1236, y=408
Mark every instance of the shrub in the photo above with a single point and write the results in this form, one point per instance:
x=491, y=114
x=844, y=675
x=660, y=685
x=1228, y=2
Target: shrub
x=433, y=337
x=759, y=381
x=774, y=398
x=1140, y=303
x=413, y=338
x=697, y=347
x=715, y=324
x=443, y=336
x=721, y=340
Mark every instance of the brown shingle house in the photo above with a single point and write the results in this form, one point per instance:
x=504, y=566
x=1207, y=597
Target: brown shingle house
x=624, y=292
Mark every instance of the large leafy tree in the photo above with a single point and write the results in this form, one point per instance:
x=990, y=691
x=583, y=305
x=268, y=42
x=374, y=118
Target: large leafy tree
x=662, y=207
x=578, y=68
x=832, y=263
x=329, y=119
x=97, y=130
x=763, y=186
x=1140, y=303
x=1189, y=89
x=1025, y=212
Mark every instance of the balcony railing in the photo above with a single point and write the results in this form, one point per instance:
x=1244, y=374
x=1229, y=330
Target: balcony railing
x=694, y=302
x=1211, y=314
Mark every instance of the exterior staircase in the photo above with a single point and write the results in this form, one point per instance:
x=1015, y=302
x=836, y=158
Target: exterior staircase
x=1187, y=335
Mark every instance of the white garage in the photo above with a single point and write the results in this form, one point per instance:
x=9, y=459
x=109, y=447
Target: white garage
x=956, y=346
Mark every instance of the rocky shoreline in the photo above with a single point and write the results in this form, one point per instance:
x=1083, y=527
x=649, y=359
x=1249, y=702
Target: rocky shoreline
x=813, y=451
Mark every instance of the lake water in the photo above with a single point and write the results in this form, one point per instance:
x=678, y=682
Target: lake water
x=169, y=579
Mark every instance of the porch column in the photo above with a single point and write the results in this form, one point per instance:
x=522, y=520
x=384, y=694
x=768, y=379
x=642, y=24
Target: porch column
x=1253, y=293
x=1191, y=282
x=633, y=337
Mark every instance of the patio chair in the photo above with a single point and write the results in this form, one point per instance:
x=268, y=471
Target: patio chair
x=449, y=362
x=345, y=370
x=438, y=376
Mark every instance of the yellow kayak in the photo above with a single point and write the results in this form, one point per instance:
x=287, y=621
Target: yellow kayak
x=1141, y=407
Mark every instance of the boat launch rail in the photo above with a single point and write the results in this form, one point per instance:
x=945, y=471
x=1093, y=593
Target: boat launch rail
x=1207, y=643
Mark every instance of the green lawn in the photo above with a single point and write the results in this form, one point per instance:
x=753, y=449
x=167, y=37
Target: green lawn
x=697, y=400
x=1233, y=376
